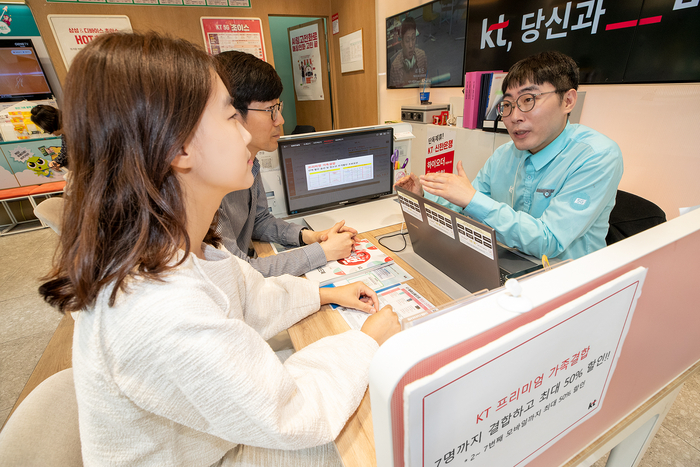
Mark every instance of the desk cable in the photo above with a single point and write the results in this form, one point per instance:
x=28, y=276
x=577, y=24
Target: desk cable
x=403, y=236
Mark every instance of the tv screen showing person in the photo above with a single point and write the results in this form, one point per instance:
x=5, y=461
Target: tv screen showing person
x=428, y=43
x=411, y=65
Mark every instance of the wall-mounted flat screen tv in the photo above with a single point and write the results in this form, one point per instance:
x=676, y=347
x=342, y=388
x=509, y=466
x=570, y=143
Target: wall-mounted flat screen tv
x=21, y=74
x=427, y=42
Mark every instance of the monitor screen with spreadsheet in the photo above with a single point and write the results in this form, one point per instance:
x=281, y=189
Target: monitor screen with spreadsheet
x=335, y=168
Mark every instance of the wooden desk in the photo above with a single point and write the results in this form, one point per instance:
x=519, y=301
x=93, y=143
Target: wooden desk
x=356, y=442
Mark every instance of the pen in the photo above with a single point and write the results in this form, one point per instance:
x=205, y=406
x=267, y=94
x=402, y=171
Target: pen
x=545, y=263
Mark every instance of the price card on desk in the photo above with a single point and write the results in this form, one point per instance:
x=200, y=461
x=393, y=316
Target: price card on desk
x=403, y=299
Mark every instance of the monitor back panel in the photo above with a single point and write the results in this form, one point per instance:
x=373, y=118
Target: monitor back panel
x=463, y=249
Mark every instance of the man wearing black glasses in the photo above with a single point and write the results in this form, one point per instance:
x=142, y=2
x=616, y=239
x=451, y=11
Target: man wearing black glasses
x=244, y=215
x=549, y=191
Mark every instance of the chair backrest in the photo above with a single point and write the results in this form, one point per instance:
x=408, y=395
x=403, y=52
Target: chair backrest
x=43, y=431
x=50, y=212
x=300, y=129
x=632, y=214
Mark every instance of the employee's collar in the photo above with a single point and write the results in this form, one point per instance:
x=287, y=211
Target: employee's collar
x=547, y=154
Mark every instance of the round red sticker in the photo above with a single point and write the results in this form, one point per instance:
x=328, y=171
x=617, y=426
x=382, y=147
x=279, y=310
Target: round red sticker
x=356, y=258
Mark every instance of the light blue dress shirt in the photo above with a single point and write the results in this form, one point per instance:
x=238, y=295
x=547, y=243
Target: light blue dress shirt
x=556, y=202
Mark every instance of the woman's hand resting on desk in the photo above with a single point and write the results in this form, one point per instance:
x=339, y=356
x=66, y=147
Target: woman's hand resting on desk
x=381, y=325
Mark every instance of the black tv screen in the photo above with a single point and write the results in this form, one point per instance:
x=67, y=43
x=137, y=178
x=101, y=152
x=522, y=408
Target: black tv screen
x=21, y=74
x=427, y=42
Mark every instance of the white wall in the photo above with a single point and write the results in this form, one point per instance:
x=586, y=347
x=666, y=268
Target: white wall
x=656, y=125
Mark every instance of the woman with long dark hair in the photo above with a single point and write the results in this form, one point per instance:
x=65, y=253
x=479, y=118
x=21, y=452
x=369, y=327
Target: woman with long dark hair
x=170, y=361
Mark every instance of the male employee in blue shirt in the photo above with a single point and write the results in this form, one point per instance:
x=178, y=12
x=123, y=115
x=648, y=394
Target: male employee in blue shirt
x=551, y=189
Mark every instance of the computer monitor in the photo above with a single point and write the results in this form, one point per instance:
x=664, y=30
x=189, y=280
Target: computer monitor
x=321, y=170
x=21, y=74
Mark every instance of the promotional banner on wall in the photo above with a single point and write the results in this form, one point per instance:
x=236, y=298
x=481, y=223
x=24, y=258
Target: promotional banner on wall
x=74, y=32
x=242, y=34
x=306, y=63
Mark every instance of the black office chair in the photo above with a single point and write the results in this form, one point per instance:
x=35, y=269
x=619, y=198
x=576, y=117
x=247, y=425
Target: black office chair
x=632, y=214
x=300, y=129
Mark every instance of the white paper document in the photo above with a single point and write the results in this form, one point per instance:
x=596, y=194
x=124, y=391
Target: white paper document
x=379, y=278
x=403, y=299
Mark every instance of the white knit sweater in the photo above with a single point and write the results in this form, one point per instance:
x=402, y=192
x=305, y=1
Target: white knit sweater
x=178, y=372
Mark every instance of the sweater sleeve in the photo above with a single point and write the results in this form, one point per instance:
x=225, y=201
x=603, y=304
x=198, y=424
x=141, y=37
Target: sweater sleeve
x=217, y=374
x=295, y=262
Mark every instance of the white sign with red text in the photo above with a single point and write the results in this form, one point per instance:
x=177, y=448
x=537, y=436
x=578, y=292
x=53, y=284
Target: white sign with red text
x=441, y=150
x=507, y=402
x=306, y=63
x=74, y=32
x=242, y=34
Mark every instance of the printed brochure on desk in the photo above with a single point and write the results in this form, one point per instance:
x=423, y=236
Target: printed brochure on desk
x=404, y=300
x=365, y=257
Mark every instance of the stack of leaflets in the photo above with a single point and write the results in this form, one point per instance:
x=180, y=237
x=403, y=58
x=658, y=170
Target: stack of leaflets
x=365, y=257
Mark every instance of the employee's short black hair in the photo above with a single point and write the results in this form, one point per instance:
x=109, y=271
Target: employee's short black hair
x=46, y=117
x=546, y=67
x=249, y=79
x=407, y=24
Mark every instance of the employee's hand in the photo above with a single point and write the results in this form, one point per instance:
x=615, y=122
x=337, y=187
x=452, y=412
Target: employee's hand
x=54, y=165
x=411, y=183
x=455, y=188
x=382, y=325
x=356, y=295
x=309, y=236
x=338, y=243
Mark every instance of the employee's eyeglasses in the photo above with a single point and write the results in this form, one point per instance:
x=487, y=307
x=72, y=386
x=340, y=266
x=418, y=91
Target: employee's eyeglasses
x=525, y=102
x=274, y=110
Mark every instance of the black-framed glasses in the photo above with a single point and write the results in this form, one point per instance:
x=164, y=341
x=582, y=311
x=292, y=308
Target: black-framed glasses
x=525, y=102
x=274, y=110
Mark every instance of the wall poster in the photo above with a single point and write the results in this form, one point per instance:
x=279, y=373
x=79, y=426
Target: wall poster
x=74, y=32
x=306, y=63
x=242, y=34
x=351, y=52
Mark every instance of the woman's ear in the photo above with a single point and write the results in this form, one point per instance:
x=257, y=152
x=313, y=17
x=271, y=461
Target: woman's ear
x=183, y=160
